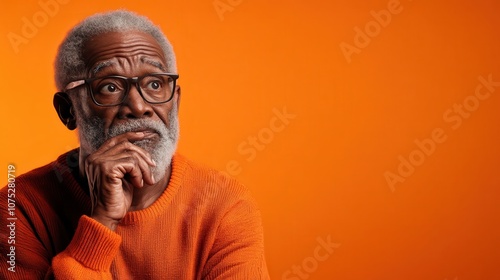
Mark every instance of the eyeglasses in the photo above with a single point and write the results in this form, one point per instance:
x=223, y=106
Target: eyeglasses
x=155, y=88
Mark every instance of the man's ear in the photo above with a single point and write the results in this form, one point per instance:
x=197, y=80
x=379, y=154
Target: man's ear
x=65, y=110
x=178, y=95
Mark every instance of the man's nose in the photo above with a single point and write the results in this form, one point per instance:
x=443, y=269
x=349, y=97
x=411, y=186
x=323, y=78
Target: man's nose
x=134, y=106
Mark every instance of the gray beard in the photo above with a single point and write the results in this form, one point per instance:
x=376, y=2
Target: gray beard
x=92, y=135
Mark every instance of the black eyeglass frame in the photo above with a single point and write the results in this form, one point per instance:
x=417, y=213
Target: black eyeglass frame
x=129, y=80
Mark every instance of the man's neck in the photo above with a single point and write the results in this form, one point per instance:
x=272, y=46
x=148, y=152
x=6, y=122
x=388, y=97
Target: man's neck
x=147, y=195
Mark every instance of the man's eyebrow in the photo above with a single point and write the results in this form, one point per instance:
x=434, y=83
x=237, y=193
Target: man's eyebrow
x=100, y=66
x=155, y=63
x=97, y=68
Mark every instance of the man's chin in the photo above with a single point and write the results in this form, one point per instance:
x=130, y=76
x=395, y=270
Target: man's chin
x=147, y=144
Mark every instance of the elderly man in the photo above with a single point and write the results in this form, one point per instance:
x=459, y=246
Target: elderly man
x=123, y=205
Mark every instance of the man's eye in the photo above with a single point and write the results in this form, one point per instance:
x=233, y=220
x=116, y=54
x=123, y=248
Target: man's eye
x=154, y=85
x=108, y=89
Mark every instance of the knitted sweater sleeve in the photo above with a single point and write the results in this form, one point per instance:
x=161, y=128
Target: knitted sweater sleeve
x=29, y=254
x=238, y=250
x=89, y=254
x=22, y=256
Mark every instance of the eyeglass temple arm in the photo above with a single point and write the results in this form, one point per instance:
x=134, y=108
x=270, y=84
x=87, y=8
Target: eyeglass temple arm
x=74, y=84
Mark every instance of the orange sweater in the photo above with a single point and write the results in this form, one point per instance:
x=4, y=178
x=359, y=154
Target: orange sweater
x=204, y=226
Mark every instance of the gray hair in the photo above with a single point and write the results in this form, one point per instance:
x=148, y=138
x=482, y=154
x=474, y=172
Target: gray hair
x=69, y=64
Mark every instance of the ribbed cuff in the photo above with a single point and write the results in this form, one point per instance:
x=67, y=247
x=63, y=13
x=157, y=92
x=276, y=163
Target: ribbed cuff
x=94, y=245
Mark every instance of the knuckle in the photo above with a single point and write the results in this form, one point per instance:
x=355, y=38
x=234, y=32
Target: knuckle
x=127, y=146
x=110, y=142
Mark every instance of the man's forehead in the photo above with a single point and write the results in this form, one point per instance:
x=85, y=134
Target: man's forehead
x=105, y=50
x=101, y=65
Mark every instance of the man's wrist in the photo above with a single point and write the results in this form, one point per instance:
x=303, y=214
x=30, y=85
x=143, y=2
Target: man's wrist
x=105, y=221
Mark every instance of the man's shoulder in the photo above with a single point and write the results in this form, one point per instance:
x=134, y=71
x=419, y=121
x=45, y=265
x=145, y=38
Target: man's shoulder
x=210, y=181
x=55, y=170
x=44, y=177
x=208, y=173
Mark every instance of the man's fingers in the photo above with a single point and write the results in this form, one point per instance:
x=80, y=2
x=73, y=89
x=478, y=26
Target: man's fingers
x=130, y=171
x=144, y=169
x=124, y=142
x=142, y=159
x=128, y=165
x=129, y=147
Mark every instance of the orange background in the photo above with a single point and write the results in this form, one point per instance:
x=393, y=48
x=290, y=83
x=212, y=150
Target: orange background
x=323, y=173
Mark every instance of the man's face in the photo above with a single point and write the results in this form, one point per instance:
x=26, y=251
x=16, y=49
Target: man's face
x=129, y=54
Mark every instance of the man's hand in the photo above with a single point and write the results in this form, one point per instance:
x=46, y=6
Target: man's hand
x=113, y=171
